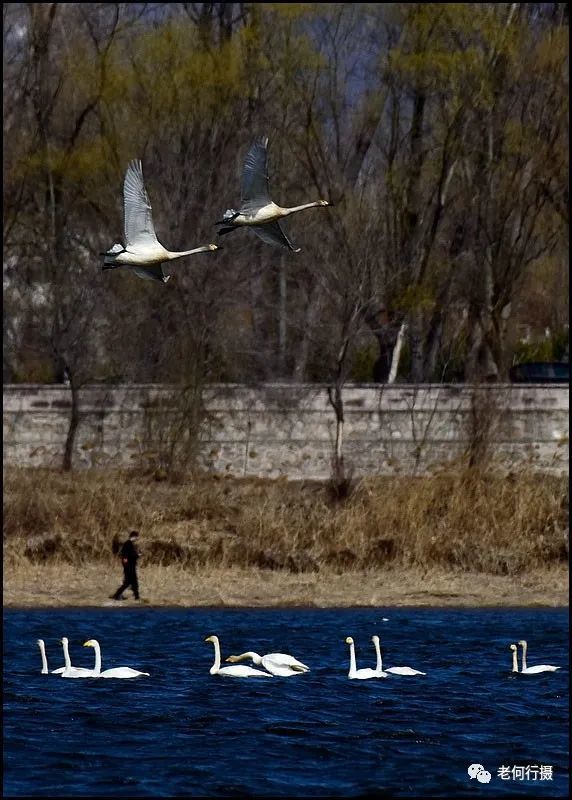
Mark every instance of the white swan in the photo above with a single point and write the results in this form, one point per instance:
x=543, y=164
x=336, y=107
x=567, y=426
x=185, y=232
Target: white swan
x=73, y=672
x=240, y=671
x=358, y=674
x=45, y=670
x=115, y=672
x=538, y=667
x=400, y=670
x=143, y=253
x=257, y=210
x=280, y=664
x=514, y=648
x=378, y=667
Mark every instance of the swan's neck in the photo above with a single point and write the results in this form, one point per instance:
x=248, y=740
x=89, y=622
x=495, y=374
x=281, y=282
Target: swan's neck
x=514, y=661
x=67, y=659
x=379, y=663
x=216, y=666
x=256, y=659
x=353, y=668
x=44, y=659
x=294, y=209
x=251, y=655
x=177, y=254
x=524, y=646
x=97, y=667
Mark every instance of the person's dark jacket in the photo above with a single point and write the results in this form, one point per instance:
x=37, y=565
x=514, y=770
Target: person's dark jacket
x=129, y=554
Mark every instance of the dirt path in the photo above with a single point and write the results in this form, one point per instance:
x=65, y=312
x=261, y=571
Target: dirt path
x=64, y=585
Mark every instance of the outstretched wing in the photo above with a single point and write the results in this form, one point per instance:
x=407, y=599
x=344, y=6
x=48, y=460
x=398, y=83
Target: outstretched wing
x=154, y=273
x=272, y=233
x=254, y=189
x=139, y=228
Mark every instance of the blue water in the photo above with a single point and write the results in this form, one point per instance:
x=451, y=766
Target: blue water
x=183, y=731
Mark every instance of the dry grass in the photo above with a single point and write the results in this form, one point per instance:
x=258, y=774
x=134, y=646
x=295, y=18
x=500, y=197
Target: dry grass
x=466, y=521
x=55, y=584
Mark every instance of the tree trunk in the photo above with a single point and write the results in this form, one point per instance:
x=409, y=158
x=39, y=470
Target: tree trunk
x=282, y=318
x=303, y=350
x=416, y=346
x=397, y=353
x=72, y=427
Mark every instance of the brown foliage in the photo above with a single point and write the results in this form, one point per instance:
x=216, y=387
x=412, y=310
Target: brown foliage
x=466, y=520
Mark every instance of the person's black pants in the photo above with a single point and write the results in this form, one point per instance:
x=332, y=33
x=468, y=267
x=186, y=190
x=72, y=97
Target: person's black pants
x=129, y=579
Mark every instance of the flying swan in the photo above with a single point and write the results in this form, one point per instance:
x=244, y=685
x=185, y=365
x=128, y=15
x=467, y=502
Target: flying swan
x=74, y=672
x=115, y=672
x=535, y=669
x=279, y=664
x=394, y=670
x=143, y=253
x=240, y=671
x=45, y=670
x=359, y=674
x=257, y=210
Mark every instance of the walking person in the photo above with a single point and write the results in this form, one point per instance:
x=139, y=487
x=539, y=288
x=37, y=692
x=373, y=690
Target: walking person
x=129, y=555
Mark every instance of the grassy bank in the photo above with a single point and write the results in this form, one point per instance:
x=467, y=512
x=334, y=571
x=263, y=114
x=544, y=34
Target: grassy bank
x=465, y=521
x=31, y=585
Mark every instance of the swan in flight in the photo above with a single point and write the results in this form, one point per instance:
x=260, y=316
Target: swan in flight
x=393, y=670
x=45, y=669
x=257, y=210
x=359, y=674
x=115, y=672
x=73, y=672
x=280, y=664
x=538, y=667
x=143, y=253
x=240, y=671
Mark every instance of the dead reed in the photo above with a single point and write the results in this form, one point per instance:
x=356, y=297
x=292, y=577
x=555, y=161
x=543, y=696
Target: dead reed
x=466, y=520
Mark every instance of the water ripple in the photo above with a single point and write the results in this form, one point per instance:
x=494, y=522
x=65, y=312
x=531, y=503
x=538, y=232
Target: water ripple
x=185, y=732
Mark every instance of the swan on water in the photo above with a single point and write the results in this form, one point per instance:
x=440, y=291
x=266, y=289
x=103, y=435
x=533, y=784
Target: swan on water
x=73, y=672
x=143, y=253
x=280, y=664
x=257, y=210
x=397, y=670
x=538, y=667
x=359, y=674
x=115, y=672
x=45, y=669
x=239, y=671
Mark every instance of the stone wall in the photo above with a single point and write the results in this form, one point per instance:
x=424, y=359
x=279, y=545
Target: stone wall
x=289, y=429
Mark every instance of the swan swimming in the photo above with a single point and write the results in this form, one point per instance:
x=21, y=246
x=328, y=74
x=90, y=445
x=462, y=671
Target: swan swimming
x=115, y=672
x=396, y=670
x=280, y=664
x=257, y=210
x=538, y=667
x=45, y=670
x=359, y=674
x=240, y=671
x=74, y=672
x=143, y=253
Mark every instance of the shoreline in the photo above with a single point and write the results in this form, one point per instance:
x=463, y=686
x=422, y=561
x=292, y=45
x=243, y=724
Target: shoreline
x=89, y=586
